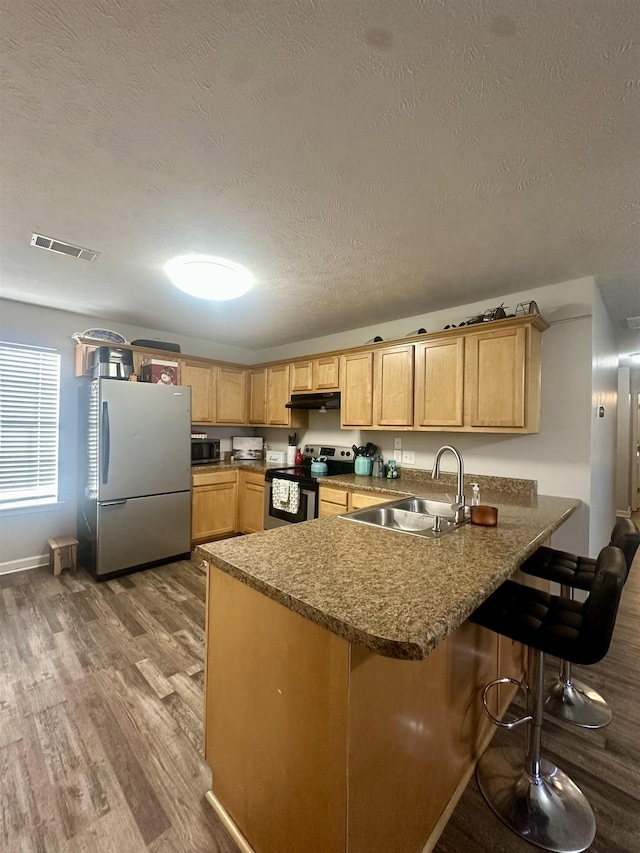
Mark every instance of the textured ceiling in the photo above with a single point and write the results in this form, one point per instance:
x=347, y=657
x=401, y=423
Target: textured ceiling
x=366, y=159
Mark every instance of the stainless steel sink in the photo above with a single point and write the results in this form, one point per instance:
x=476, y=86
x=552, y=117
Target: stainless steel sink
x=410, y=515
x=443, y=509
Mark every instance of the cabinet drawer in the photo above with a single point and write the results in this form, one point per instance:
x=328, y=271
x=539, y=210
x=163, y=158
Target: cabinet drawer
x=360, y=500
x=214, y=478
x=334, y=496
x=256, y=478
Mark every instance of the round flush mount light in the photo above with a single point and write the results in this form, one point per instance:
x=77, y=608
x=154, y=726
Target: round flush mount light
x=209, y=278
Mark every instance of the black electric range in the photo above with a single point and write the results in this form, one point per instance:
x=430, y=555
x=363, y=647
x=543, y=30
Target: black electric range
x=305, y=508
x=339, y=461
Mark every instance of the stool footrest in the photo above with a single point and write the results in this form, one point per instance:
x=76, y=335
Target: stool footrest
x=511, y=724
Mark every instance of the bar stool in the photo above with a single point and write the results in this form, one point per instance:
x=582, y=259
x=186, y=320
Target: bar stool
x=534, y=798
x=567, y=699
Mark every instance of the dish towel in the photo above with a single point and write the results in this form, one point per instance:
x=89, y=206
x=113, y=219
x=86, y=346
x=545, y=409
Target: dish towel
x=285, y=495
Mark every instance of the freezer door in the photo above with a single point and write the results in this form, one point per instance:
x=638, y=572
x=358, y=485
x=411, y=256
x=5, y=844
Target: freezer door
x=142, y=530
x=144, y=439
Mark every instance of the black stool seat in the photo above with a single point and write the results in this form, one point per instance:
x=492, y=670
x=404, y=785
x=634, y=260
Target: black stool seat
x=578, y=572
x=534, y=798
x=569, y=629
x=570, y=700
x=562, y=567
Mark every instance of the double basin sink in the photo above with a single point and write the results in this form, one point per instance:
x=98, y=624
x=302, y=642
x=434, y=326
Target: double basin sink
x=416, y=516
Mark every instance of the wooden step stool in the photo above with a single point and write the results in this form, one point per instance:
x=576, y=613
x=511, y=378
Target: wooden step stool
x=62, y=553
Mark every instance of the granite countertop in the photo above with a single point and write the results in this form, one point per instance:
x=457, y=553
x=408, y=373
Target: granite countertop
x=398, y=595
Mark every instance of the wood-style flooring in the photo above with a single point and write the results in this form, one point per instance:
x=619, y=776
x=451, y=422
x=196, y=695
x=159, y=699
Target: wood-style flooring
x=101, y=708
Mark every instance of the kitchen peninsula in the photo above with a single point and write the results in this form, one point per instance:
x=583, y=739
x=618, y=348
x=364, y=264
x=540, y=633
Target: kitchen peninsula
x=343, y=680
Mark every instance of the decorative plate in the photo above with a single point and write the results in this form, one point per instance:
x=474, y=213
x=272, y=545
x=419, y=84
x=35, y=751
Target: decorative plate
x=101, y=335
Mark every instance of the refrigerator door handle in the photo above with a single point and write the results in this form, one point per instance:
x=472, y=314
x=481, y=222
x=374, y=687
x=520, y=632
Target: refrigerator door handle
x=113, y=503
x=106, y=443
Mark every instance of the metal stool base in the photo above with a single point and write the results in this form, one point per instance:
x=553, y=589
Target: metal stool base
x=576, y=703
x=550, y=811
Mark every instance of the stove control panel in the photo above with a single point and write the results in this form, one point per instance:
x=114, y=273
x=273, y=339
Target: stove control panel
x=343, y=454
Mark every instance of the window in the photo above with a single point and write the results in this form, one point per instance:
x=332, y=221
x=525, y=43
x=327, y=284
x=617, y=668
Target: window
x=29, y=425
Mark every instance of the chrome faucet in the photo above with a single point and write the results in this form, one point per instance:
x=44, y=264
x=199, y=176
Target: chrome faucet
x=435, y=473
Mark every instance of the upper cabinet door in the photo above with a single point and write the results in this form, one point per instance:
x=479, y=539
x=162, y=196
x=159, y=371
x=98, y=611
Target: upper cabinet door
x=258, y=396
x=326, y=373
x=440, y=383
x=357, y=390
x=278, y=395
x=201, y=378
x=495, y=378
x=393, y=386
x=301, y=376
x=231, y=401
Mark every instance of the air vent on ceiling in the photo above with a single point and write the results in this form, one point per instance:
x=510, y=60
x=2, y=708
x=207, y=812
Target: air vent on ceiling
x=52, y=245
x=633, y=322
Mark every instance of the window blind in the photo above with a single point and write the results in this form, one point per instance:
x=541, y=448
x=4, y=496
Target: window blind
x=29, y=425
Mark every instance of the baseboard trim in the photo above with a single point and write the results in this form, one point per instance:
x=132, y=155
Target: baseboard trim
x=24, y=564
x=228, y=823
x=623, y=513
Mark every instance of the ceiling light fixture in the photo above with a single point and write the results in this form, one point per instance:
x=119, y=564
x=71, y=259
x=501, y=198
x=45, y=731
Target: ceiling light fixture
x=635, y=357
x=209, y=278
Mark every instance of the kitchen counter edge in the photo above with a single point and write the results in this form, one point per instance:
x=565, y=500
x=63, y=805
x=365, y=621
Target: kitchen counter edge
x=431, y=598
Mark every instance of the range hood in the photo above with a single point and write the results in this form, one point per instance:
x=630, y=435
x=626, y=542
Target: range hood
x=330, y=400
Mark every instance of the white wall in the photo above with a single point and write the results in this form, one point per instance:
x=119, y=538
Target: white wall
x=604, y=393
x=556, y=302
x=24, y=535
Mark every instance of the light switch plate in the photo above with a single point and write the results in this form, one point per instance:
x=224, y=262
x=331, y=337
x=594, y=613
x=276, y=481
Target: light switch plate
x=408, y=457
x=397, y=444
x=397, y=455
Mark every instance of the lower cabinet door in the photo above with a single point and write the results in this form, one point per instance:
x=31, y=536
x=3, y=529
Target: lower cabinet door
x=252, y=508
x=214, y=511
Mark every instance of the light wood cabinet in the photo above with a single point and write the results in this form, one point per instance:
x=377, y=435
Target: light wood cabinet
x=377, y=388
x=356, y=406
x=214, y=505
x=305, y=773
x=278, y=395
x=334, y=501
x=440, y=382
x=231, y=399
x=480, y=378
x=326, y=373
x=301, y=376
x=495, y=378
x=258, y=396
x=250, y=501
x=393, y=387
x=361, y=500
x=485, y=379
x=320, y=374
x=201, y=378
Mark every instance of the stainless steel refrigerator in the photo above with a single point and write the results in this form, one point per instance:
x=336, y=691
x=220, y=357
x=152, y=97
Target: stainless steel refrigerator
x=135, y=474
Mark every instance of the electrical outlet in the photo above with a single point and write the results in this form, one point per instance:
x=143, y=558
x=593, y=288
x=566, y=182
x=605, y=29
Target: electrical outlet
x=397, y=443
x=397, y=455
x=408, y=457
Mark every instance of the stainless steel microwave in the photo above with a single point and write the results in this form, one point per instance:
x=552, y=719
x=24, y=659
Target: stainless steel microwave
x=204, y=451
